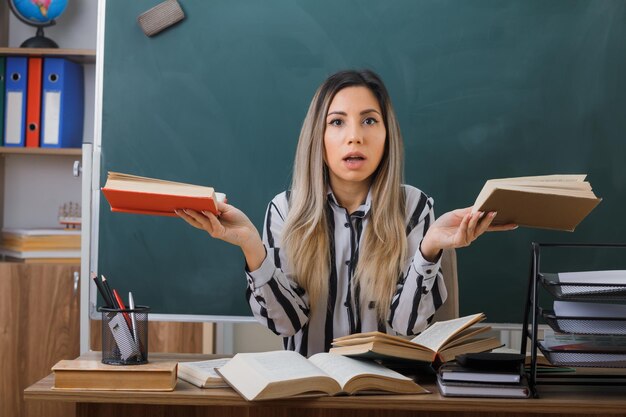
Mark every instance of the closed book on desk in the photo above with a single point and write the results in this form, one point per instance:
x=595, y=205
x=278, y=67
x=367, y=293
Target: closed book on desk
x=94, y=375
x=15, y=102
x=558, y=202
x=62, y=104
x=142, y=195
x=452, y=371
x=474, y=389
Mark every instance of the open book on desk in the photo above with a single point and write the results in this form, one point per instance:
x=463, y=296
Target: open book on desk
x=442, y=341
x=557, y=202
x=282, y=374
x=141, y=195
x=203, y=374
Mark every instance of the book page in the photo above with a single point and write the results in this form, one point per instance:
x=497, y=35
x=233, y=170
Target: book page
x=439, y=333
x=160, y=188
x=204, y=370
x=282, y=365
x=575, y=181
x=343, y=369
x=574, y=192
x=543, y=178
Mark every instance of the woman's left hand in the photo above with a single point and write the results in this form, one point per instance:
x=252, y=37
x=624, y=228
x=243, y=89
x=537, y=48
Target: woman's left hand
x=457, y=229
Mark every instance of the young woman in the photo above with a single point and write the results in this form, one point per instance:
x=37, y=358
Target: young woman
x=349, y=248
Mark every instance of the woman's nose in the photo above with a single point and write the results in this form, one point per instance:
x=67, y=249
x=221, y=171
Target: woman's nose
x=355, y=135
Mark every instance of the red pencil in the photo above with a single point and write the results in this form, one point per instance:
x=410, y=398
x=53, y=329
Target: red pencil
x=120, y=303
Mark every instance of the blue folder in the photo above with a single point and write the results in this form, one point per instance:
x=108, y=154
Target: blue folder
x=2, y=93
x=62, y=104
x=15, y=101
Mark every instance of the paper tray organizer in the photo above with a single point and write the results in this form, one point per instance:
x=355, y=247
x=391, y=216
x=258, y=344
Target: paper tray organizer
x=582, y=358
x=533, y=313
x=590, y=291
x=585, y=325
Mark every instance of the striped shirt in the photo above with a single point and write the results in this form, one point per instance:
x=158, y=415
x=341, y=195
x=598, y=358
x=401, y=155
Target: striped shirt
x=283, y=306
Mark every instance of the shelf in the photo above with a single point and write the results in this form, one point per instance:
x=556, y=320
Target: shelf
x=39, y=151
x=83, y=56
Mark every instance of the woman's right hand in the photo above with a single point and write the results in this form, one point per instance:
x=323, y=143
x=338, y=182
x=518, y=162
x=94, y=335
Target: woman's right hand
x=231, y=226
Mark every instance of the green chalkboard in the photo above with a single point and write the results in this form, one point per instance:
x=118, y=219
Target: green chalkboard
x=483, y=89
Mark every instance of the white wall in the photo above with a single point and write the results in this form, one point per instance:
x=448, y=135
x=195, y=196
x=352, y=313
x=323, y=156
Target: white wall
x=35, y=186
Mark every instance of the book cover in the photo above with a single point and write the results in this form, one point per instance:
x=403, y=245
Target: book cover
x=473, y=389
x=142, y=195
x=88, y=374
x=452, y=371
x=558, y=202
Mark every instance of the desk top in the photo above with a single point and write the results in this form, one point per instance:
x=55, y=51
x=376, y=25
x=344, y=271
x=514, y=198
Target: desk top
x=553, y=399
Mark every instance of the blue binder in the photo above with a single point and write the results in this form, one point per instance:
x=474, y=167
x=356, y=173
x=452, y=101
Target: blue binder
x=2, y=93
x=15, y=100
x=62, y=104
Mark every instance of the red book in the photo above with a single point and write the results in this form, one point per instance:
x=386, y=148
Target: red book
x=141, y=195
x=33, y=102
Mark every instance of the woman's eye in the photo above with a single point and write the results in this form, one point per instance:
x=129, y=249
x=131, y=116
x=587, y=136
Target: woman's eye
x=336, y=122
x=370, y=121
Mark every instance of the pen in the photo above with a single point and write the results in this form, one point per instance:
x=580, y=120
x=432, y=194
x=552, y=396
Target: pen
x=131, y=304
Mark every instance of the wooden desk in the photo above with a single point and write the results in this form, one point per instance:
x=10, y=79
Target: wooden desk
x=187, y=400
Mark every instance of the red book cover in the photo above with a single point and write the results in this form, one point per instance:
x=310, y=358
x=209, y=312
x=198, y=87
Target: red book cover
x=137, y=202
x=33, y=102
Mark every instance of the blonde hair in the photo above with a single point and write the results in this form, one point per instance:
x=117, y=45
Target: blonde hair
x=305, y=237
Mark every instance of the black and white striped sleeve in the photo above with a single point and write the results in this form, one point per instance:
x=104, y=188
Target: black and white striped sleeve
x=421, y=289
x=275, y=299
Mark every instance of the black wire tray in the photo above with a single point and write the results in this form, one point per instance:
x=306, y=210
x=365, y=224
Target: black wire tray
x=585, y=325
x=588, y=291
x=584, y=358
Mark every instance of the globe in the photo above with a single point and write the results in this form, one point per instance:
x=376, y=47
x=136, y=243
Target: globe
x=40, y=14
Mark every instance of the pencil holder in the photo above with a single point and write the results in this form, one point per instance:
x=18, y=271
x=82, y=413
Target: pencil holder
x=125, y=335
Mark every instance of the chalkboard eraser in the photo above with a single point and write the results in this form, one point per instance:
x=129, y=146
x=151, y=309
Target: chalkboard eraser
x=160, y=17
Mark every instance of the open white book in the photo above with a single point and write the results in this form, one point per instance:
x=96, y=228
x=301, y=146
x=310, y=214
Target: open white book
x=557, y=202
x=203, y=374
x=280, y=374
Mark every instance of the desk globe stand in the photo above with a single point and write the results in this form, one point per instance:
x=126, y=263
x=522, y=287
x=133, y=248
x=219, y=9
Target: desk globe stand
x=39, y=40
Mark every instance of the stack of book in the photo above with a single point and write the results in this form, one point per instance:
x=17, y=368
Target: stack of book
x=41, y=245
x=507, y=381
